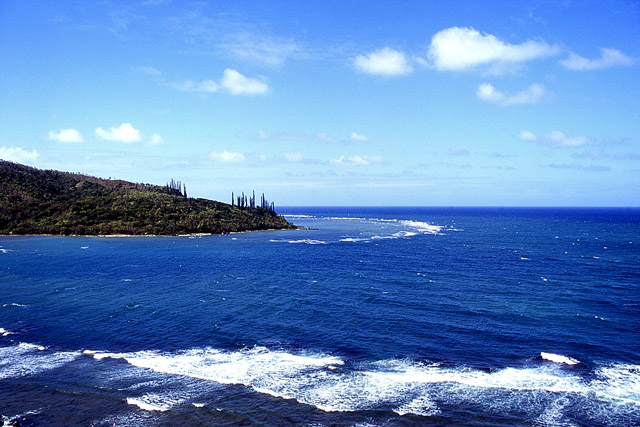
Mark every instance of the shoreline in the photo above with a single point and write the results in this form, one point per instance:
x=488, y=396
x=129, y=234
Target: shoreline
x=110, y=236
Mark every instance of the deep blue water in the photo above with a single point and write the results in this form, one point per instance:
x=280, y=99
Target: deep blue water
x=374, y=316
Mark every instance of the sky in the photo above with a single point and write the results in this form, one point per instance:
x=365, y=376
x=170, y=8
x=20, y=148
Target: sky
x=370, y=103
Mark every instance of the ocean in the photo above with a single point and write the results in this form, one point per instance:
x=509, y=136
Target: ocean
x=371, y=317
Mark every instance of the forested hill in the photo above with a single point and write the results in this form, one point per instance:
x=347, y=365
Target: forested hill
x=34, y=201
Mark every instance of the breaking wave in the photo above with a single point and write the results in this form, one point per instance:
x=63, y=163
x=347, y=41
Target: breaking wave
x=407, y=387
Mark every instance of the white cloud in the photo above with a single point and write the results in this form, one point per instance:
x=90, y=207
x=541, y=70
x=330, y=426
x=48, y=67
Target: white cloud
x=609, y=58
x=232, y=81
x=357, y=137
x=534, y=94
x=237, y=84
x=227, y=157
x=155, y=140
x=559, y=139
x=554, y=139
x=383, y=62
x=18, y=155
x=65, y=135
x=526, y=135
x=356, y=160
x=123, y=133
x=207, y=86
x=294, y=157
x=459, y=49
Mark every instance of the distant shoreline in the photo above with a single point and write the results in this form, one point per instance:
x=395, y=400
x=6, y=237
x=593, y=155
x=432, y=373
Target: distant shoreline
x=111, y=236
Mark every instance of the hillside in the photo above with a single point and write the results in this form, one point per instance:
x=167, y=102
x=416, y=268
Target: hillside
x=34, y=201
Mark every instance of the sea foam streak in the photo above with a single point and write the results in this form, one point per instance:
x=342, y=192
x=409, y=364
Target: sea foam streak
x=408, y=387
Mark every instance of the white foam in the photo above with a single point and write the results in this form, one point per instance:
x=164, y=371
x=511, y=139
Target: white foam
x=557, y=358
x=422, y=226
x=4, y=332
x=619, y=382
x=421, y=405
x=308, y=241
x=294, y=216
x=4, y=251
x=345, y=218
x=146, y=403
x=407, y=387
x=29, y=359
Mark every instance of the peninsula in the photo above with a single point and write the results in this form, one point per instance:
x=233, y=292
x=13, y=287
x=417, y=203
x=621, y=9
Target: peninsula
x=34, y=201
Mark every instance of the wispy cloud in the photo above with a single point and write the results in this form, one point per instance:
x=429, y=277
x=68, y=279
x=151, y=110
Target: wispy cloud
x=18, y=155
x=460, y=49
x=383, y=62
x=559, y=139
x=231, y=36
x=66, y=136
x=457, y=152
x=608, y=58
x=526, y=135
x=227, y=157
x=266, y=50
x=554, y=139
x=356, y=160
x=577, y=166
x=324, y=137
x=534, y=94
x=147, y=70
x=231, y=81
x=357, y=137
x=294, y=157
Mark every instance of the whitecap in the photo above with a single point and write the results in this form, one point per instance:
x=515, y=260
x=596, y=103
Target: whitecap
x=557, y=358
x=618, y=382
x=26, y=359
x=14, y=304
x=422, y=226
x=408, y=387
x=147, y=403
x=308, y=241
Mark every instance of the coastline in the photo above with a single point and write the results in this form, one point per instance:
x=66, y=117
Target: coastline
x=110, y=236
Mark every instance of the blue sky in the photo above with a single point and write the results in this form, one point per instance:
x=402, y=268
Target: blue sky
x=514, y=103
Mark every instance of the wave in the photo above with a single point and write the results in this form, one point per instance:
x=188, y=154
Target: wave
x=550, y=393
x=557, y=358
x=13, y=304
x=407, y=387
x=150, y=402
x=304, y=241
x=20, y=360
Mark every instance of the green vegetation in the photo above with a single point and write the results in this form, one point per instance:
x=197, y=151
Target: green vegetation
x=34, y=201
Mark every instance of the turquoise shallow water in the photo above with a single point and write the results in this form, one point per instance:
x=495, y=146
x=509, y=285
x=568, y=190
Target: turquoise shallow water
x=374, y=316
